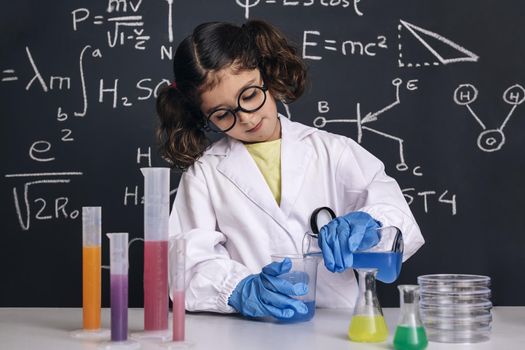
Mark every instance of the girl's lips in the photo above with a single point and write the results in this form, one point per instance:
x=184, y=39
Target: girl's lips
x=256, y=127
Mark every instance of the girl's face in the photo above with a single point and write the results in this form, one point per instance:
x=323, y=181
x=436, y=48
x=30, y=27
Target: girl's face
x=259, y=126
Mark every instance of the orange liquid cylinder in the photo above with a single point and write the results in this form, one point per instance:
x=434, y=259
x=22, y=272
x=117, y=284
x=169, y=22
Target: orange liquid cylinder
x=91, y=287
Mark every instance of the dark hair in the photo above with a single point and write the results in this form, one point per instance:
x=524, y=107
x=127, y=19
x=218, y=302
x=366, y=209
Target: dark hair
x=212, y=47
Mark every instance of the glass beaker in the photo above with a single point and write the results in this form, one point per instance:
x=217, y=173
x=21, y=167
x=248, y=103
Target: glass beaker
x=304, y=270
x=386, y=255
x=368, y=323
x=410, y=333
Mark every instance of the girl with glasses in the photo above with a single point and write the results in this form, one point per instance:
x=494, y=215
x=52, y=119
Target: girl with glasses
x=250, y=194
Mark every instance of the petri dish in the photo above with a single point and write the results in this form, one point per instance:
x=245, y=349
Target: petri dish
x=453, y=280
x=466, y=337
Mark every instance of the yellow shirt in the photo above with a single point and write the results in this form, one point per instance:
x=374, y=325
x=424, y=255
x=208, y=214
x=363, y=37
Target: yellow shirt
x=267, y=156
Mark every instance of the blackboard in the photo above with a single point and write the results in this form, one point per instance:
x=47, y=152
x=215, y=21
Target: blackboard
x=433, y=88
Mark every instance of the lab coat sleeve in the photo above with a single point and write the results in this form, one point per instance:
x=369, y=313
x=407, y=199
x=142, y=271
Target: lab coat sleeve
x=367, y=188
x=211, y=275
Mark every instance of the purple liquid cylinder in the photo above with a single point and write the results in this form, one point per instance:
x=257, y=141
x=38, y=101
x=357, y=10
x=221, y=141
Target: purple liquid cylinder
x=119, y=307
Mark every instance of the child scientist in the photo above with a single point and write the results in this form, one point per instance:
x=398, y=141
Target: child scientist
x=251, y=193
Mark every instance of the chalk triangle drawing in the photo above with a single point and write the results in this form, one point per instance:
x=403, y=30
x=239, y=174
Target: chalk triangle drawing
x=464, y=55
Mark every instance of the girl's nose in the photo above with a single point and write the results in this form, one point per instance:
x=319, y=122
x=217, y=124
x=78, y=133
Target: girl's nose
x=244, y=117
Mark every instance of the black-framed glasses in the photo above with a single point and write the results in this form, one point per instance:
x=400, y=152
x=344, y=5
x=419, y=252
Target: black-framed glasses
x=250, y=100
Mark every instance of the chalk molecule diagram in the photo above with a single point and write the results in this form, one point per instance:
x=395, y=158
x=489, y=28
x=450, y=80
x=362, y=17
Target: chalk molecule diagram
x=489, y=140
x=321, y=122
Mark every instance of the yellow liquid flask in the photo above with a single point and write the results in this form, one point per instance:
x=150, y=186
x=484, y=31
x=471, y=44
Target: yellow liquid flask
x=368, y=324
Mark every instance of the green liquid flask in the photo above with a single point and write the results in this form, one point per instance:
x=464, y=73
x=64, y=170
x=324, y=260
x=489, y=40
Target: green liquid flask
x=410, y=333
x=368, y=324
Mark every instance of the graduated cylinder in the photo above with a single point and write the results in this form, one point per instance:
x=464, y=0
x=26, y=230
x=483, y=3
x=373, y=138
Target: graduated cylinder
x=156, y=217
x=91, y=258
x=118, y=257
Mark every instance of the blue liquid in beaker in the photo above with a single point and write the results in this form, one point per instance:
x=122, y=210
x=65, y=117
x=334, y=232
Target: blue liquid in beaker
x=297, y=317
x=387, y=263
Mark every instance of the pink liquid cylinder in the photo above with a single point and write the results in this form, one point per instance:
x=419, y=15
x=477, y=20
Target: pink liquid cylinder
x=119, y=307
x=178, y=315
x=155, y=285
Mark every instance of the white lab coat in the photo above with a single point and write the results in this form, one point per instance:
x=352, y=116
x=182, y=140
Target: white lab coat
x=232, y=223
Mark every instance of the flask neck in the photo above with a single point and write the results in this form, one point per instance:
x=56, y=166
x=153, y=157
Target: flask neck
x=367, y=281
x=409, y=306
x=367, y=302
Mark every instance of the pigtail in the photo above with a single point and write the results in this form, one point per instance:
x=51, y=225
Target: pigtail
x=284, y=71
x=182, y=141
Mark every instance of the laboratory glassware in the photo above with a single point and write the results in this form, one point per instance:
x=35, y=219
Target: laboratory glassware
x=410, y=333
x=178, y=287
x=456, y=308
x=119, y=265
x=386, y=255
x=303, y=270
x=156, y=218
x=368, y=323
x=91, y=275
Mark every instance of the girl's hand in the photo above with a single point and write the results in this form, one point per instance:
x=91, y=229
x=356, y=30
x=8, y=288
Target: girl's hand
x=342, y=236
x=265, y=294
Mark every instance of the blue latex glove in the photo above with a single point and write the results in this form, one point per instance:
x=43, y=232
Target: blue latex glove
x=265, y=294
x=342, y=236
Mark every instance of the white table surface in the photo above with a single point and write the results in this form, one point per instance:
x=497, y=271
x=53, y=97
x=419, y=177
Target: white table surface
x=48, y=328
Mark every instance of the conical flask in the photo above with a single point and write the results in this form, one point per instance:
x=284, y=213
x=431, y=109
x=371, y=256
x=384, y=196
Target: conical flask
x=410, y=333
x=368, y=324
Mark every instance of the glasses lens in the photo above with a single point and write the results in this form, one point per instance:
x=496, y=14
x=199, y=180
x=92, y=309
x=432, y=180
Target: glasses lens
x=252, y=99
x=221, y=119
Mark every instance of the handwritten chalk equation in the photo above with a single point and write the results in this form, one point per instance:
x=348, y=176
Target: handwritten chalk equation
x=124, y=28
x=146, y=88
x=489, y=140
x=64, y=82
x=314, y=46
x=23, y=204
x=359, y=120
x=248, y=4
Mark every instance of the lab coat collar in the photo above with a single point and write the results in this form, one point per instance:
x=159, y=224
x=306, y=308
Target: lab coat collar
x=293, y=130
x=240, y=168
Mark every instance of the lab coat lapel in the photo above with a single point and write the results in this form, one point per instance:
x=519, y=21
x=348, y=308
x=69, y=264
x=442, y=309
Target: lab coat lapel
x=240, y=168
x=295, y=159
